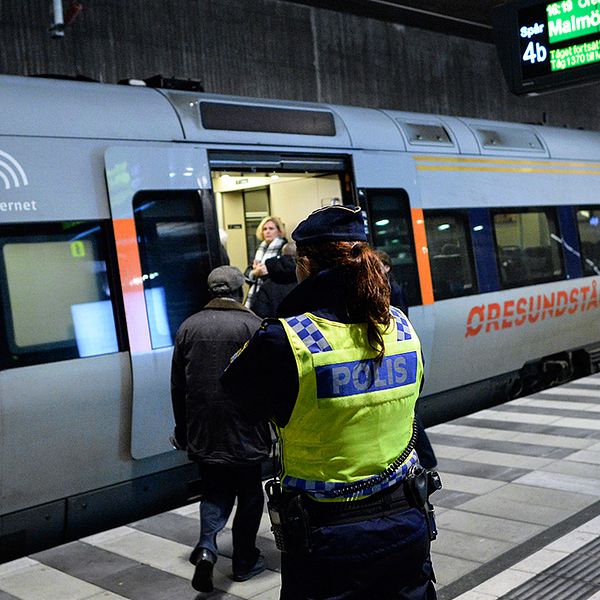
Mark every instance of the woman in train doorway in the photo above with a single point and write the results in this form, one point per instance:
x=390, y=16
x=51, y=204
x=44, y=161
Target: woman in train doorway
x=349, y=369
x=271, y=233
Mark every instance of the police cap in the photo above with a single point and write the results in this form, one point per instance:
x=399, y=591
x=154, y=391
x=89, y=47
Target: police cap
x=225, y=280
x=332, y=223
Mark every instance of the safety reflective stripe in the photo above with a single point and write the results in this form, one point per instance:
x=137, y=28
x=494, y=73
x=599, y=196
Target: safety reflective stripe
x=315, y=341
x=402, y=326
x=309, y=333
x=326, y=490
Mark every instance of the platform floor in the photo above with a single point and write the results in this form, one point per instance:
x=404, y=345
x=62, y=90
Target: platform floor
x=519, y=519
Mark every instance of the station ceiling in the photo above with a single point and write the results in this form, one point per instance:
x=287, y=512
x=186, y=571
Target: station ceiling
x=463, y=18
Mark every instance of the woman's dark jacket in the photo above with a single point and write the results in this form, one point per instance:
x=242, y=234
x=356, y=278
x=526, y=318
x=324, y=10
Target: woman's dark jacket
x=269, y=357
x=281, y=281
x=269, y=354
x=207, y=417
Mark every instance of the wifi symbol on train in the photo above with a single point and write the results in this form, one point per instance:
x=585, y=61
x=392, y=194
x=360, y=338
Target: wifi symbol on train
x=11, y=172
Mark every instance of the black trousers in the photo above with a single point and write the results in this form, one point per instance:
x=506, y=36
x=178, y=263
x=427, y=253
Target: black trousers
x=221, y=485
x=383, y=557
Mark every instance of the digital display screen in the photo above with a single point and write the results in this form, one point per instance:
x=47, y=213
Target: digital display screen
x=558, y=43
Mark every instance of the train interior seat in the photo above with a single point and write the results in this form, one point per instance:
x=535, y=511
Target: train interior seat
x=596, y=258
x=588, y=249
x=512, y=265
x=591, y=252
x=538, y=260
x=447, y=272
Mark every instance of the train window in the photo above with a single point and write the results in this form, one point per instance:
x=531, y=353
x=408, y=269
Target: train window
x=588, y=225
x=391, y=228
x=243, y=117
x=528, y=245
x=56, y=300
x=450, y=258
x=174, y=258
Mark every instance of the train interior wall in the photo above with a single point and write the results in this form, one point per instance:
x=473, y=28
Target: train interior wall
x=290, y=197
x=277, y=49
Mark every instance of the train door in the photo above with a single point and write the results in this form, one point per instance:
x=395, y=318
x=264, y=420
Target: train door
x=388, y=194
x=166, y=240
x=250, y=186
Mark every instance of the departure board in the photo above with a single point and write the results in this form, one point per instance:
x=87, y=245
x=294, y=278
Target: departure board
x=548, y=45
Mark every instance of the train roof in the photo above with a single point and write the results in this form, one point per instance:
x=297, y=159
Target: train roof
x=33, y=106
x=72, y=109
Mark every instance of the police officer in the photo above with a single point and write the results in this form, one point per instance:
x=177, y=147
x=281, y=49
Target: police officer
x=348, y=369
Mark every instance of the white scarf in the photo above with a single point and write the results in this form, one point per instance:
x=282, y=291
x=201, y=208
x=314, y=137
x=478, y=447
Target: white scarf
x=263, y=253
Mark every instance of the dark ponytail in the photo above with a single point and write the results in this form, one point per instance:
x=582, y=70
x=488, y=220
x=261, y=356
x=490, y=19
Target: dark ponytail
x=366, y=288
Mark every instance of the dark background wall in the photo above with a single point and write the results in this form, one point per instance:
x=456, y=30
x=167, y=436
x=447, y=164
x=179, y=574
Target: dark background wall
x=278, y=49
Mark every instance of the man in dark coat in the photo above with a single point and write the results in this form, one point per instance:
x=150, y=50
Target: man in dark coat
x=209, y=426
x=281, y=281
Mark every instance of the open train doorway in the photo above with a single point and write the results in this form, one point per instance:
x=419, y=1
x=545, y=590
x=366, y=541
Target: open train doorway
x=249, y=187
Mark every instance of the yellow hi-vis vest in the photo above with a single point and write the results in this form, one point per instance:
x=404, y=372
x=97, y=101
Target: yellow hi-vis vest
x=352, y=418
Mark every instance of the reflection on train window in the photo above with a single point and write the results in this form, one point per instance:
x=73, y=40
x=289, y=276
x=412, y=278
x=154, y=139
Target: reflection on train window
x=452, y=271
x=55, y=295
x=174, y=258
x=588, y=225
x=389, y=218
x=529, y=249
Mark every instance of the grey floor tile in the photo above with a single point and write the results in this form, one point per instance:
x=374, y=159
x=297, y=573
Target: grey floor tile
x=552, y=498
x=119, y=574
x=535, y=410
x=6, y=596
x=518, y=511
x=530, y=427
x=480, y=469
x=501, y=446
x=574, y=431
x=568, y=483
x=568, y=467
x=574, y=399
x=471, y=547
x=450, y=498
x=171, y=526
x=145, y=583
x=482, y=418
x=459, y=441
x=449, y=568
x=585, y=386
x=85, y=561
x=487, y=526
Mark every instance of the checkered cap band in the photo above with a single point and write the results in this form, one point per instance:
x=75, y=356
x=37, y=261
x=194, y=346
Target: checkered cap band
x=309, y=333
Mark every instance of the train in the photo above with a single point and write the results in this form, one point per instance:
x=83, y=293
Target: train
x=116, y=201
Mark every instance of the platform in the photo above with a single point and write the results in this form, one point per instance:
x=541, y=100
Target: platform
x=519, y=519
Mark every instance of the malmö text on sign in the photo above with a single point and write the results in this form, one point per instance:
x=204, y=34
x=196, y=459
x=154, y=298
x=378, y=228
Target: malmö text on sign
x=547, y=45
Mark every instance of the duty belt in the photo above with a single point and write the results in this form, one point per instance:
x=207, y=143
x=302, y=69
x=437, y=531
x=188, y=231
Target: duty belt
x=386, y=502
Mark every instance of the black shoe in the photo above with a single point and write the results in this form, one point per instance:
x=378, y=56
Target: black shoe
x=259, y=567
x=203, y=574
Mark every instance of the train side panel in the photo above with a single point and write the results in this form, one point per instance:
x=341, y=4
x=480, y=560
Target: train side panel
x=66, y=424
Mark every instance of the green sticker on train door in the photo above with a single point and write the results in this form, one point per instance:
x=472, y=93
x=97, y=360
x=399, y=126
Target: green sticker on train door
x=77, y=249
